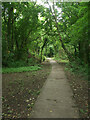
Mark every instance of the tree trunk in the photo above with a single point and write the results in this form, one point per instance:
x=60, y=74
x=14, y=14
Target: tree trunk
x=45, y=42
x=10, y=29
x=75, y=51
x=63, y=46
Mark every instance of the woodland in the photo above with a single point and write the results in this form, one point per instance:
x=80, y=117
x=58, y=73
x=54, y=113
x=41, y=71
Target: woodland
x=31, y=33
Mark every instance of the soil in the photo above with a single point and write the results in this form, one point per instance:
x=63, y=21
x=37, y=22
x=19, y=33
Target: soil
x=79, y=86
x=20, y=91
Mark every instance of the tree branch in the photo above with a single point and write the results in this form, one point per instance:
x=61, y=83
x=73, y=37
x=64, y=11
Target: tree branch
x=55, y=17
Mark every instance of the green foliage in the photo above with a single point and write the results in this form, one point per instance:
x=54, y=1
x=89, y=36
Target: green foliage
x=77, y=67
x=21, y=32
x=61, y=60
x=10, y=63
x=74, y=30
x=21, y=69
x=31, y=29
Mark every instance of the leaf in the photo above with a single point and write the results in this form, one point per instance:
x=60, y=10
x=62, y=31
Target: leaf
x=10, y=111
x=27, y=100
x=29, y=91
x=81, y=110
x=29, y=105
x=38, y=92
x=30, y=99
x=32, y=104
x=50, y=111
x=28, y=114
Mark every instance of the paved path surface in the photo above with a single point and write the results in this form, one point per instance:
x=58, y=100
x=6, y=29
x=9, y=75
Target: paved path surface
x=55, y=100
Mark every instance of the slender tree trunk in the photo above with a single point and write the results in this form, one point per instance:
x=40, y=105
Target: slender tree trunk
x=45, y=42
x=25, y=40
x=75, y=51
x=63, y=46
x=12, y=30
x=9, y=30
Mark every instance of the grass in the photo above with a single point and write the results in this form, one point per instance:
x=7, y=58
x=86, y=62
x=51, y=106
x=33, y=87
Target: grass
x=61, y=60
x=77, y=68
x=21, y=69
x=74, y=67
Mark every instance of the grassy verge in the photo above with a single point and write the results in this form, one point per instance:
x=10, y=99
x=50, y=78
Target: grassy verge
x=21, y=69
x=74, y=67
x=61, y=60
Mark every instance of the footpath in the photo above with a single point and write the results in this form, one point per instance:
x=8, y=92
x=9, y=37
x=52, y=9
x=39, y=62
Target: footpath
x=55, y=99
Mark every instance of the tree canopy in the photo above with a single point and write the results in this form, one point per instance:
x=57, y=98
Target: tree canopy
x=32, y=30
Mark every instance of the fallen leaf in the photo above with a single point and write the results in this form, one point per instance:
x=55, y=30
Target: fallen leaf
x=27, y=100
x=81, y=110
x=29, y=105
x=30, y=99
x=50, y=111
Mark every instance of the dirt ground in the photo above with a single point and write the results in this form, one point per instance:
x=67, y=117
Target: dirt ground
x=79, y=86
x=20, y=91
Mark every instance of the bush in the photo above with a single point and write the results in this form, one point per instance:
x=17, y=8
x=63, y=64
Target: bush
x=21, y=69
x=11, y=63
x=77, y=67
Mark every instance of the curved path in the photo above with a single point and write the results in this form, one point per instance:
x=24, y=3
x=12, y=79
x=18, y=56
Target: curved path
x=55, y=100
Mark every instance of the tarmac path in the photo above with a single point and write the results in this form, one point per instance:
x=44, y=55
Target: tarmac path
x=55, y=99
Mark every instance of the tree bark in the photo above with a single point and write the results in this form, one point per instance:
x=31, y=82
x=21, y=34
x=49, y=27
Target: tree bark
x=45, y=42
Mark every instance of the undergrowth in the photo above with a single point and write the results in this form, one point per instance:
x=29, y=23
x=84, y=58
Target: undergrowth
x=21, y=69
x=19, y=63
x=61, y=60
x=77, y=68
